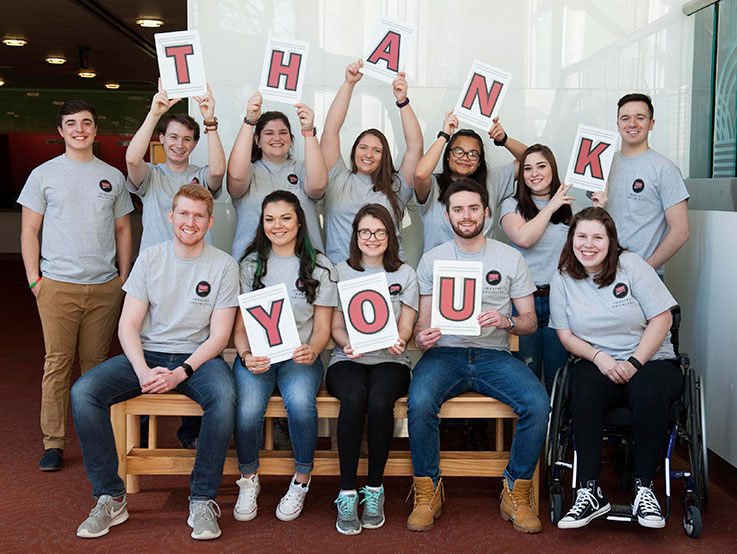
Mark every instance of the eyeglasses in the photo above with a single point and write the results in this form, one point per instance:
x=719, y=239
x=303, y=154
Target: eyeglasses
x=459, y=152
x=366, y=234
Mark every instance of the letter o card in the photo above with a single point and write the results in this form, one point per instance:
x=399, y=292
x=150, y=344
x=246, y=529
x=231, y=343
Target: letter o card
x=368, y=312
x=181, y=65
x=270, y=324
x=388, y=50
x=283, y=73
x=591, y=159
x=456, y=297
x=482, y=95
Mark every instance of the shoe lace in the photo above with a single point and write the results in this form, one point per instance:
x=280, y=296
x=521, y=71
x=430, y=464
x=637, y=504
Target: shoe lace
x=208, y=510
x=370, y=499
x=425, y=497
x=104, y=505
x=645, y=498
x=293, y=496
x=346, y=504
x=584, y=498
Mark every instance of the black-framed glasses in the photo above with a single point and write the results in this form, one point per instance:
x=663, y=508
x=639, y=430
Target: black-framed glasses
x=366, y=234
x=459, y=152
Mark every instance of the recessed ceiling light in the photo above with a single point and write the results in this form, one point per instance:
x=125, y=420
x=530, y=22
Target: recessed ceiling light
x=87, y=74
x=14, y=42
x=112, y=86
x=2, y=82
x=57, y=102
x=32, y=94
x=149, y=22
x=56, y=60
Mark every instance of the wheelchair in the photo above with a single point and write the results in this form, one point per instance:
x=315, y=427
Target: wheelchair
x=687, y=424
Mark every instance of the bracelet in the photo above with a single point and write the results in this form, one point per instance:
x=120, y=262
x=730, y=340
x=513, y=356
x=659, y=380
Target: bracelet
x=312, y=133
x=36, y=282
x=501, y=142
x=445, y=135
x=243, y=357
x=635, y=362
x=211, y=125
x=402, y=104
x=249, y=122
x=595, y=355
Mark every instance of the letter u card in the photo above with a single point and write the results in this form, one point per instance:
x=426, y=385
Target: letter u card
x=456, y=297
x=591, y=158
x=283, y=73
x=482, y=94
x=368, y=312
x=388, y=50
x=270, y=324
x=181, y=64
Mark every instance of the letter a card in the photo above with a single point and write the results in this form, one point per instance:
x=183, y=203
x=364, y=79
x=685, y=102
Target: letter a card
x=270, y=324
x=181, y=64
x=368, y=312
x=456, y=297
x=283, y=73
x=388, y=50
x=482, y=95
x=591, y=158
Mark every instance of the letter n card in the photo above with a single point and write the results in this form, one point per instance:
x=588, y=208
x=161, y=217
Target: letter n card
x=368, y=312
x=456, y=297
x=591, y=158
x=388, y=50
x=283, y=73
x=482, y=94
x=181, y=64
x=270, y=324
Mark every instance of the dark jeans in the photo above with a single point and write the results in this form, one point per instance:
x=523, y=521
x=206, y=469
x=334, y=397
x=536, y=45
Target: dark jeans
x=649, y=393
x=365, y=390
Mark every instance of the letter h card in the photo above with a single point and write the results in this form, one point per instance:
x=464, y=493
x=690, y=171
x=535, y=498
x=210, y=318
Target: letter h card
x=270, y=325
x=181, y=64
x=283, y=72
x=591, y=159
x=456, y=297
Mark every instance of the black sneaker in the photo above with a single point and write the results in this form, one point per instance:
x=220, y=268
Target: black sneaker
x=51, y=460
x=646, y=506
x=590, y=503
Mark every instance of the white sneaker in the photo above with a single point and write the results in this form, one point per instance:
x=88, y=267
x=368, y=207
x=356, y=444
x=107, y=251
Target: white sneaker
x=290, y=506
x=246, y=508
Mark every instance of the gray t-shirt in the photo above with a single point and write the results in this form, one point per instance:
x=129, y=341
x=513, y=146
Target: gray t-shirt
x=612, y=319
x=640, y=190
x=157, y=191
x=347, y=193
x=266, y=177
x=80, y=202
x=403, y=290
x=181, y=294
x=542, y=257
x=437, y=229
x=286, y=270
x=505, y=276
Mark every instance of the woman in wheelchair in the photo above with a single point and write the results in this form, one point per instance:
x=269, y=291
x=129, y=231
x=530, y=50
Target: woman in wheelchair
x=612, y=311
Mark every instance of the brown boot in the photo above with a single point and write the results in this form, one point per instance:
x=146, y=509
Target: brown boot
x=517, y=506
x=428, y=504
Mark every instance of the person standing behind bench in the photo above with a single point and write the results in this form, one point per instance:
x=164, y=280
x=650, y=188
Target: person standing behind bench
x=177, y=318
x=452, y=364
x=81, y=206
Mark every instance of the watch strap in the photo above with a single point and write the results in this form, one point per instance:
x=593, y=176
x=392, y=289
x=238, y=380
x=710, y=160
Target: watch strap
x=635, y=362
x=187, y=369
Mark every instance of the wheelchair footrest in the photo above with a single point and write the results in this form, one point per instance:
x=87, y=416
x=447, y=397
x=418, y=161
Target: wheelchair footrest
x=621, y=512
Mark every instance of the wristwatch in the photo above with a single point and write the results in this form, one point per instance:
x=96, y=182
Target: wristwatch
x=187, y=369
x=510, y=319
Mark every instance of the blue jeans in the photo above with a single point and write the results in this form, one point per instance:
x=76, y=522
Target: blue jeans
x=443, y=373
x=542, y=351
x=298, y=385
x=114, y=380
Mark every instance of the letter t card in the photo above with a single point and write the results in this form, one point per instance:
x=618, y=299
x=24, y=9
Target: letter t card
x=181, y=64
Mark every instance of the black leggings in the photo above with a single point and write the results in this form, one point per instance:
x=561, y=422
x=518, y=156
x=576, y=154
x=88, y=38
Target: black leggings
x=649, y=393
x=365, y=389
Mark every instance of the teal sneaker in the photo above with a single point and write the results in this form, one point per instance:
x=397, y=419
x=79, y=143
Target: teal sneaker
x=347, y=523
x=373, y=508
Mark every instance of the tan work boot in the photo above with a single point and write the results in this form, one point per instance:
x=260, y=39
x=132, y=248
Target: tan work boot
x=428, y=504
x=517, y=506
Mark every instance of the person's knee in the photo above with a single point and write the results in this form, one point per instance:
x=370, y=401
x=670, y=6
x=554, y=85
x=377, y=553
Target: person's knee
x=380, y=405
x=300, y=405
x=537, y=406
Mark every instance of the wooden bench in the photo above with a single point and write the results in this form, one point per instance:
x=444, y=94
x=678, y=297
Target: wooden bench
x=134, y=461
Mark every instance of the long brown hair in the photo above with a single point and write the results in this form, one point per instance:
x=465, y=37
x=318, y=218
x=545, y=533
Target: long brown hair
x=383, y=177
x=391, y=259
x=527, y=207
x=569, y=263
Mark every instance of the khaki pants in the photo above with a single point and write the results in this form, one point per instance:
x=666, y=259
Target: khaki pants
x=69, y=312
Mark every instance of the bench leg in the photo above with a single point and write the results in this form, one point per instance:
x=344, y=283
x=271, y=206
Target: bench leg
x=117, y=419
x=133, y=440
x=268, y=433
x=536, y=488
x=499, y=434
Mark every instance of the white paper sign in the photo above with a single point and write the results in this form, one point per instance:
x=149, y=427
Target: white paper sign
x=368, y=313
x=482, y=95
x=283, y=73
x=591, y=158
x=270, y=326
x=386, y=54
x=181, y=64
x=456, y=297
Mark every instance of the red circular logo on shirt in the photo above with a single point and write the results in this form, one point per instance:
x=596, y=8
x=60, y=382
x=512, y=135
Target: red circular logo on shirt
x=299, y=284
x=638, y=186
x=620, y=290
x=293, y=179
x=106, y=186
x=202, y=289
x=194, y=181
x=395, y=289
x=493, y=277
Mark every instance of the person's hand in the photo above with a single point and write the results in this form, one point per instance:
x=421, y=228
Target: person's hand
x=160, y=103
x=352, y=75
x=399, y=87
x=207, y=104
x=450, y=123
x=160, y=379
x=397, y=349
x=626, y=370
x=601, y=197
x=350, y=354
x=36, y=287
x=561, y=198
x=426, y=339
x=253, y=110
x=493, y=318
x=257, y=364
x=306, y=117
x=304, y=355
x=609, y=367
x=497, y=131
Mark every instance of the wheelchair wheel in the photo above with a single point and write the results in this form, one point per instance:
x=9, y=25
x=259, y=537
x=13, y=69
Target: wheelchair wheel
x=556, y=442
x=556, y=506
x=704, y=451
x=697, y=438
x=692, y=521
